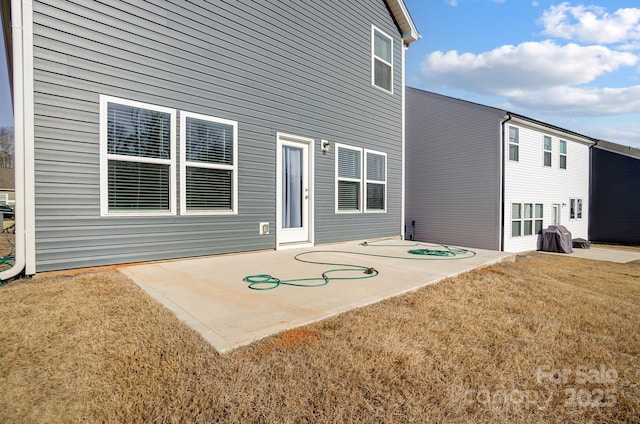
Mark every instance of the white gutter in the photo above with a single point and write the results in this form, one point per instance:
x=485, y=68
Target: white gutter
x=22, y=37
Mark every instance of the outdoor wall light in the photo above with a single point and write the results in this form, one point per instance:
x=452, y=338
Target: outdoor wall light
x=325, y=146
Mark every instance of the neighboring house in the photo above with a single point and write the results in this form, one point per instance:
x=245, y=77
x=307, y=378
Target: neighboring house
x=170, y=129
x=614, y=212
x=484, y=177
x=7, y=186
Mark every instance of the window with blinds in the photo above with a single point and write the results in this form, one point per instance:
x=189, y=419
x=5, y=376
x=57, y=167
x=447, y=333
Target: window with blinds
x=137, y=163
x=381, y=60
x=360, y=173
x=349, y=179
x=376, y=180
x=208, y=148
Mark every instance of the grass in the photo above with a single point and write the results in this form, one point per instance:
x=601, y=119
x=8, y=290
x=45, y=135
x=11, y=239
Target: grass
x=480, y=347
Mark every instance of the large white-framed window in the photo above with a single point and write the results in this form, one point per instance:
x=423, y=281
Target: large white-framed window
x=208, y=165
x=514, y=143
x=348, y=179
x=575, y=208
x=563, y=154
x=546, y=159
x=381, y=60
x=375, y=171
x=137, y=158
x=526, y=219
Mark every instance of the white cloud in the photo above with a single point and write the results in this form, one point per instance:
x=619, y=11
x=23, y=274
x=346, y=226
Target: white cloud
x=591, y=24
x=511, y=70
x=535, y=3
x=580, y=101
x=453, y=3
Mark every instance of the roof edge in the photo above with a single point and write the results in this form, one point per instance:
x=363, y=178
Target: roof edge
x=402, y=17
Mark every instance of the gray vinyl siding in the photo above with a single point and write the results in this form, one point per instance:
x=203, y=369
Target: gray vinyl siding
x=452, y=171
x=614, y=210
x=302, y=68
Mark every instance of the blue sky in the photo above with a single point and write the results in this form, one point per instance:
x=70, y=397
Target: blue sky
x=571, y=64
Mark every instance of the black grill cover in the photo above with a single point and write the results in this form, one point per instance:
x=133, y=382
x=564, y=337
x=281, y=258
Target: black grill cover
x=581, y=243
x=556, y=238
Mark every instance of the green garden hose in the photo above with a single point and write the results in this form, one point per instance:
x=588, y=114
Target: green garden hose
x=269, y=282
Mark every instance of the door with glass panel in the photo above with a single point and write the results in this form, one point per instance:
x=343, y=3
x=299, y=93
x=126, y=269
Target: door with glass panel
x=293, y=191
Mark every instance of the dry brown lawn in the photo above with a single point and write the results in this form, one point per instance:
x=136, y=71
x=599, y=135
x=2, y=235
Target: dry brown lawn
x=546, y=339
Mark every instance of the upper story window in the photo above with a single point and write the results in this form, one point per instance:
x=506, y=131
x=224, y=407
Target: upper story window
x=547, y=151
x=376, y=181
x=563, y=154
x=514, y=141
x=381, y=60
x=208, y=164
x=137, y=159
x=348, y=179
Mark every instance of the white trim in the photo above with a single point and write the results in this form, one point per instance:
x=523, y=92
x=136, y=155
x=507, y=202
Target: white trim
x=401, y=14
x=374, y=57
x=184, y=163
x=105, y=156
x=280, y=137
x=337, y=179
x=367, y=181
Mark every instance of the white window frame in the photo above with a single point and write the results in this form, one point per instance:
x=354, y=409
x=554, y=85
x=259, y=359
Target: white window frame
x=105, y=157
x=515, y=143
x=184, y=163
x=375, y=29
x=523, y=219
x=547, y=153
x=562, y=155
x=575, y=209
x=358, y=180
x=379, y=182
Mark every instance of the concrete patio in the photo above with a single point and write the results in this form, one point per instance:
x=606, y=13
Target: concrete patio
x=210, y=296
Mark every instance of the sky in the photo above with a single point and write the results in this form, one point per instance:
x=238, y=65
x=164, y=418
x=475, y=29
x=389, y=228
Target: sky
x=575, y=65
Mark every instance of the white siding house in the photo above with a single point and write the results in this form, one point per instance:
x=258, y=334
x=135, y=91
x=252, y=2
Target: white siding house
x=479, y=176
x=548, y=184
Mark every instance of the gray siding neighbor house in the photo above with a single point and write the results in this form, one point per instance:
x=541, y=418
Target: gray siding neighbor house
x=615, y=194
x=161, y=129
x=483, y=177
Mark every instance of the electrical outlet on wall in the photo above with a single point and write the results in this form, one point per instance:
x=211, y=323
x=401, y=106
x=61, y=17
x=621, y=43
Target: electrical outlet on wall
x=264, y=228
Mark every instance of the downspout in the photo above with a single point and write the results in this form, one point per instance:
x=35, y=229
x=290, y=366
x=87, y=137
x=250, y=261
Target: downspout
x=402, y=195
x=22, y=37
x=590, y=185
x=502, y=180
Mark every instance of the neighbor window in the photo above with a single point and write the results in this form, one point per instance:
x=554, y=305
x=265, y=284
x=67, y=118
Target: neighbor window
x=208, y=164
x=516, y=219
x=381, y=60
x=375, y=180
x=349, y=179
x=137, y=158
x=563, y=154
x=514, y=141
x=539, y=217
x=547, y=151
x=575, y=208
x=578, y=208
x=526, y=219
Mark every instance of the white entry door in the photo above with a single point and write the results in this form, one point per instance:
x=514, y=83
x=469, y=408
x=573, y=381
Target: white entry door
x=294, y=191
